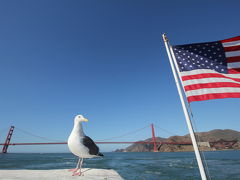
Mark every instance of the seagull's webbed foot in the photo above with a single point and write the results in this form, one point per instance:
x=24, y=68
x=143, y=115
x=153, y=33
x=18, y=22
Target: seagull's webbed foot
x=77, y=170
x=77, y=174
x=73, y=170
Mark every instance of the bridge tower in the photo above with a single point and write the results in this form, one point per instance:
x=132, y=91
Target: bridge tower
x=8, y=139
x=154, y=139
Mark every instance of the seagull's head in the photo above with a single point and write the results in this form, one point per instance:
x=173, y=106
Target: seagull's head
x=80, y=118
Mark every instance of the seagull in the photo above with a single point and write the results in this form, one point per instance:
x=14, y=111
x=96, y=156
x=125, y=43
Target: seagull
x=81, y=145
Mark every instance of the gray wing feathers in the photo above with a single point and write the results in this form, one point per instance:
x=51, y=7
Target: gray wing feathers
x=89, y=143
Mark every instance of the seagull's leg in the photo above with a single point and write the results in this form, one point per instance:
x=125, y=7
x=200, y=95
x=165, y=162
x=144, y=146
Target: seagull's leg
x=77, y=167
x=81, y=166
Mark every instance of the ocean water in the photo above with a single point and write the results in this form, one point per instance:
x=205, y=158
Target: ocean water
x=222, y=165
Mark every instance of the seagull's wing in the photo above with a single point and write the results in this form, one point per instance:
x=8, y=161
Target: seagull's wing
x=90, y=144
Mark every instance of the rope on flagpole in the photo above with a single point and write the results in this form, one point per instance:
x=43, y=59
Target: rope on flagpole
x=175, y=71
x=199, y=140
x=189, y=109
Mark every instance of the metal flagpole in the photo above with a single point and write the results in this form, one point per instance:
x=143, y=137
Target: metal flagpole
x=184, y=106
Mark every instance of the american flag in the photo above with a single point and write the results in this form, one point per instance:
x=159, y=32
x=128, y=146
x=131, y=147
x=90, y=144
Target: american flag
x=210, y=70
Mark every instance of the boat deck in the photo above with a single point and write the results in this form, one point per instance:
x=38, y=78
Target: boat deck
x=59, y=174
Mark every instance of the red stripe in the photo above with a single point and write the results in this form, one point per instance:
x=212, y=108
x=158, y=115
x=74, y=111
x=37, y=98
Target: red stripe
x=207, y=75
x=237, y=38
x=234, y=71
x=211, y=85
x=231, y=48
x=233, y=59
x=213, y=96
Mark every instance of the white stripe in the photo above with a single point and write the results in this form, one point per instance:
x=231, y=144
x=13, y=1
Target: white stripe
x=212, y=91
x=204, y=71
x=233, y=43
x=232, y=53
x=233, y=65
x=208, y=80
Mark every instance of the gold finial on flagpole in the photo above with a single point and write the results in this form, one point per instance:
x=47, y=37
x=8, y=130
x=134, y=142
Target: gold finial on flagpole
x=165, y=39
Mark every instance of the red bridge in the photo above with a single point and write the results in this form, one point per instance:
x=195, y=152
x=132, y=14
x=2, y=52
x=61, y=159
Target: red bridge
x=153, y=141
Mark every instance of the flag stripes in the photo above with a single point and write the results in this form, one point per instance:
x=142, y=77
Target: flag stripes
x=205, y=84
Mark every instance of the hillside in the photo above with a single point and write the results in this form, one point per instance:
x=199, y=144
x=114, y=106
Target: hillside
x=217, y=139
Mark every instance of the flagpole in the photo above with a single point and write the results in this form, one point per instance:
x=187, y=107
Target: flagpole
x=184, y=106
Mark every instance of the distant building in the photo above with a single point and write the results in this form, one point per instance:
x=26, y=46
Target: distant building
x=222, y=144
x=204, y=144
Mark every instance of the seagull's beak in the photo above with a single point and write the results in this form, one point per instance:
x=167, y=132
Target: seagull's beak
x=86, y=120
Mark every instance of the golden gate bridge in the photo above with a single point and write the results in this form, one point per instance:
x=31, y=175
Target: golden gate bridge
x=153, y=141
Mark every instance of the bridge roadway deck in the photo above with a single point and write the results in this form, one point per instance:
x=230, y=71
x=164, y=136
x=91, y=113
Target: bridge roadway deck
x=125, y=142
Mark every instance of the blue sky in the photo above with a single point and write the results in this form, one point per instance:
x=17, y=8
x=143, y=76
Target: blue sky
x=105, y=60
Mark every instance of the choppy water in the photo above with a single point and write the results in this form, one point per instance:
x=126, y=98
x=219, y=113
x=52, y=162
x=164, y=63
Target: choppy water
x=223, y=165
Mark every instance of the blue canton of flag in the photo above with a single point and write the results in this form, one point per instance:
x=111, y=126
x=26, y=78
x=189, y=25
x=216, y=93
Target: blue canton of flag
x=201, y=56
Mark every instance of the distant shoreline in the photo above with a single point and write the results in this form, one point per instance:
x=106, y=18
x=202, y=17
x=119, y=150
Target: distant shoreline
x=214, y=140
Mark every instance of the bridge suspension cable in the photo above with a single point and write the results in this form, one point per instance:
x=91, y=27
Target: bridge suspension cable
x=126, y=134
x=168, y=132
x=37, y=136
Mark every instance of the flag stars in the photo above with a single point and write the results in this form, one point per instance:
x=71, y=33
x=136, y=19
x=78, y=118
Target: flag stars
x=201, y=56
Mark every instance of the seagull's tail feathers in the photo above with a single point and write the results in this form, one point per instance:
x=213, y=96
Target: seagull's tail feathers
x=100, y=154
